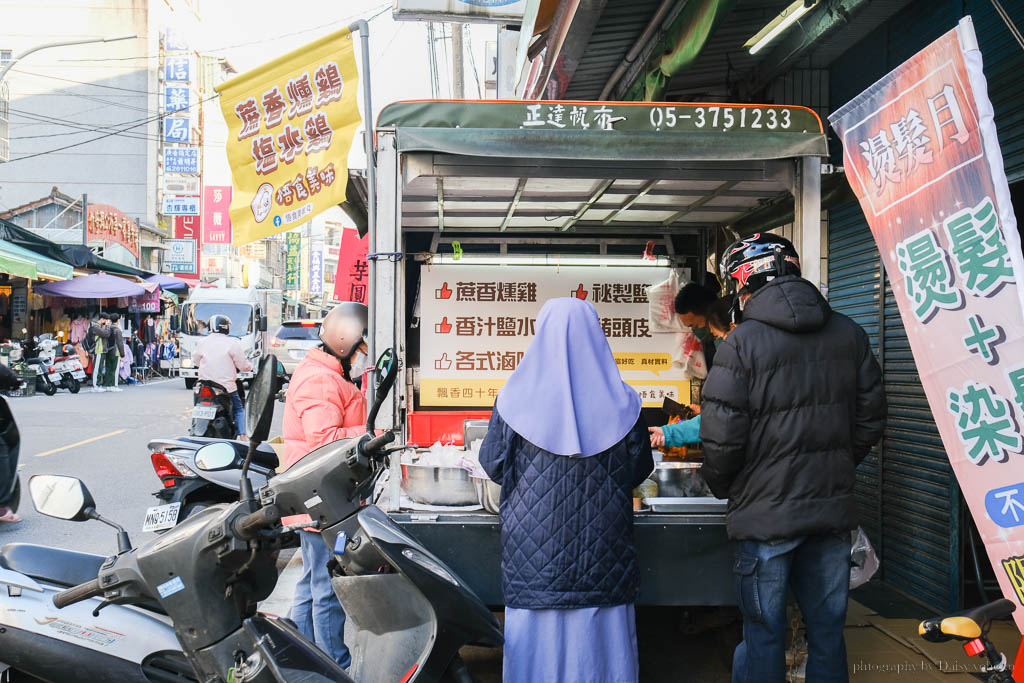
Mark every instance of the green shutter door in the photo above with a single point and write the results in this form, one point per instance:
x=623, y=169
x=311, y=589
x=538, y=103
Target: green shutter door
x=906, y=490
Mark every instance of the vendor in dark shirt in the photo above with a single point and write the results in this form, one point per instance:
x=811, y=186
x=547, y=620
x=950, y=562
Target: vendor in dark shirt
x=692, y=304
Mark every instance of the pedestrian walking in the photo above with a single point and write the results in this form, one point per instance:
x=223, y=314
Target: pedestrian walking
x=97, y=340
x=792, y=405
x=113, y=370
x=567, y=444
x=324, y=405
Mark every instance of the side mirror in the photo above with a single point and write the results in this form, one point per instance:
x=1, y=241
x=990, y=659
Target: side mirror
x=263, y=324
x=216, y=456
x=259, y=406
x=387, y=369
x=61, y=497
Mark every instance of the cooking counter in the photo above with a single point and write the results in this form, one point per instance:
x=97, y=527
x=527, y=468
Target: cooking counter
x=685, y=559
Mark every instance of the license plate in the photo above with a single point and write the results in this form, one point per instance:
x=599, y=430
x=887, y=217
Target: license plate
x=204, y=412
x=161, y=517
x=78, y=374
x=297, y=354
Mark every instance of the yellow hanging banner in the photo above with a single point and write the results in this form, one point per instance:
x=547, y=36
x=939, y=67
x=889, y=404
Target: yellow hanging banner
x=290, y=128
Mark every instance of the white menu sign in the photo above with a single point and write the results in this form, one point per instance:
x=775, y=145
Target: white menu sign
x=477, y=322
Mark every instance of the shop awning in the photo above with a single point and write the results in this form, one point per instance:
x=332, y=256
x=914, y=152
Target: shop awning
x=45, y=267
x=13, y=264
x=78, y=256
x=95, y=286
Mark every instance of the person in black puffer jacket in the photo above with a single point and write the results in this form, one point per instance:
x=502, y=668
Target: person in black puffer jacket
x=567, y=443
x=792, y=406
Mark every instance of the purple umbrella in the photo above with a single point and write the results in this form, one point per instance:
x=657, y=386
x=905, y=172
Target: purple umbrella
x=95, y=286
x=167, y=281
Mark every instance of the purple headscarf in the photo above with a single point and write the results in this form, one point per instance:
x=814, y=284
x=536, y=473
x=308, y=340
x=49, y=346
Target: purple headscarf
x=567, y=396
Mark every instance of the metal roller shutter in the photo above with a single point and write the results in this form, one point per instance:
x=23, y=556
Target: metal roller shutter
x=906, y=490
x=1003, y=60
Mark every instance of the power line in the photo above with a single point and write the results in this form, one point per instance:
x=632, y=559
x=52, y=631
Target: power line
x=347, y=20
x=101, y=137
x=95, y=85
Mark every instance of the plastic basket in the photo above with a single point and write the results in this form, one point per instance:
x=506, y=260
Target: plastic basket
x=429, y=427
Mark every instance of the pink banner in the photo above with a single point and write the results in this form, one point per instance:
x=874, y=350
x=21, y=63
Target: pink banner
x=921, y=153
x=350, y=282
x=217, y=214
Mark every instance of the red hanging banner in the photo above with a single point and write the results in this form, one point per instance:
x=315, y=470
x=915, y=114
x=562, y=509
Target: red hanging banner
x=351, y=280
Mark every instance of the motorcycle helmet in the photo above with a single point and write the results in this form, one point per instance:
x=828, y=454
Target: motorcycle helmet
x=220, y=324
x=344, y=328
x=750, y=263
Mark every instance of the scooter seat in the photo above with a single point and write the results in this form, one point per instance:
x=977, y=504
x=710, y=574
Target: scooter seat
x=51, y=565
x=58, y=567
x=34, y=361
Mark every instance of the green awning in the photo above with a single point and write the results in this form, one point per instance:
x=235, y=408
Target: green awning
x=13, y=264
x=44, y=266
x=668, y=131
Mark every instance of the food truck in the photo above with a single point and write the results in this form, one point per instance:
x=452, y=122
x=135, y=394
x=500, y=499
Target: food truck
x=484, y=210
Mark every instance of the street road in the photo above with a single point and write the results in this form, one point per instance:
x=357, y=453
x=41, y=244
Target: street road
x=101, y=439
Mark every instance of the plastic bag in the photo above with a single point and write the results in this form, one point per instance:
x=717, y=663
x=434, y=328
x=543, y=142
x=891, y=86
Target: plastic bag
x=687, y=351
x=864, y=560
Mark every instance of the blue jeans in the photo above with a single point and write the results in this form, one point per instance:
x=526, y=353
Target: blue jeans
x=817, y=569
x=315, y=608
x=239, y=410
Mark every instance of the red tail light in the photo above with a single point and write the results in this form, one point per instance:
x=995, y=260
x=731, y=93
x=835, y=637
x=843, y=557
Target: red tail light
x=165, y=469
x=274, y=341
x=205, y=392
x=975, y=647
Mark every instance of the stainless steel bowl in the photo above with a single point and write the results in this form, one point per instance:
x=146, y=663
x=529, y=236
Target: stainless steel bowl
x=438, y=485
x=488, y=493
x=680, y=480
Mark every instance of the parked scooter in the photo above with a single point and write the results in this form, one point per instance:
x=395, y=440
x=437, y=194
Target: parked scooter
x=187, y=489
x=31, y=367
x=411, y=614
x=66, y=368
x=121, y=643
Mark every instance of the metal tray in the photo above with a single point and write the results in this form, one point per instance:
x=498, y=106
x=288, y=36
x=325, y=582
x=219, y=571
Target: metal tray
x=687, y=505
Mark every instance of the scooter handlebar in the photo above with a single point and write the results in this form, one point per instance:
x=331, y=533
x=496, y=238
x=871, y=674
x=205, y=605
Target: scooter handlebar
x=373, y=447
x=82, y=591
x=249, y=526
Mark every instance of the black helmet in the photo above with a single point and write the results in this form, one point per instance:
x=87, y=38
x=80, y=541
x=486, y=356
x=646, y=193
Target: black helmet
x=220, y=323
x=751, y=262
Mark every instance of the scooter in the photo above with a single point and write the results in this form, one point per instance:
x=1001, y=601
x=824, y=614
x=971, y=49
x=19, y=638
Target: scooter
x=67, y=366
x=135, y=644
x=410, y=611
x=31, y=367
x=186, y=489
x=212, y=413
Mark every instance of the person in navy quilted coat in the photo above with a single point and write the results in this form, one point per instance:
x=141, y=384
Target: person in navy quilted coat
x=567, y=443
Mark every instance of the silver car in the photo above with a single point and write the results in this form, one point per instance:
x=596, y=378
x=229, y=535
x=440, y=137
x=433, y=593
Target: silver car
x=292, y=340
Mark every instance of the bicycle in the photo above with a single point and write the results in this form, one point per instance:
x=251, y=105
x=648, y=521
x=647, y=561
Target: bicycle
x=970, y=628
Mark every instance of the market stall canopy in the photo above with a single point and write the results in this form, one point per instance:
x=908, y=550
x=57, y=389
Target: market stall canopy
x=13, y=264
x=95, y=286
x=78, y=256
x=595, y=167
x=668, y=131
x=48, y=268
x=167, y=281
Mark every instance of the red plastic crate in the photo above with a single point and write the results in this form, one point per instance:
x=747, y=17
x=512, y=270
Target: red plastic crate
x=428, y=427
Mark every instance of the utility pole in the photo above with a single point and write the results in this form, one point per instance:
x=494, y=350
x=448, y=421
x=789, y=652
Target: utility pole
x=458, y=78
x=63, y=43
x=85, y=219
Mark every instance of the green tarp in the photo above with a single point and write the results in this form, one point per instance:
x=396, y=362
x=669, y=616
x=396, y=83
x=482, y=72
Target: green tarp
x=13, y=264
x=606, y=131
x=45, y=267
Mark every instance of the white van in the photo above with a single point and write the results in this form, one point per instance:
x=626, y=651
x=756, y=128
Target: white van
x=251, y=311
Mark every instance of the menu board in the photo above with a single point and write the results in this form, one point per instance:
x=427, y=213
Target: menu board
x=477, y=322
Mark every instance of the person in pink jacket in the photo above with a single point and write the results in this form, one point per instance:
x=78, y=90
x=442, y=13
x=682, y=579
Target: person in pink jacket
x=324, y=405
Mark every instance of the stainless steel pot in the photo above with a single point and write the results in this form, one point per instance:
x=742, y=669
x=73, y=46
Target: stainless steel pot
x=488, y=493
x=438, y=485
x=680, y=480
